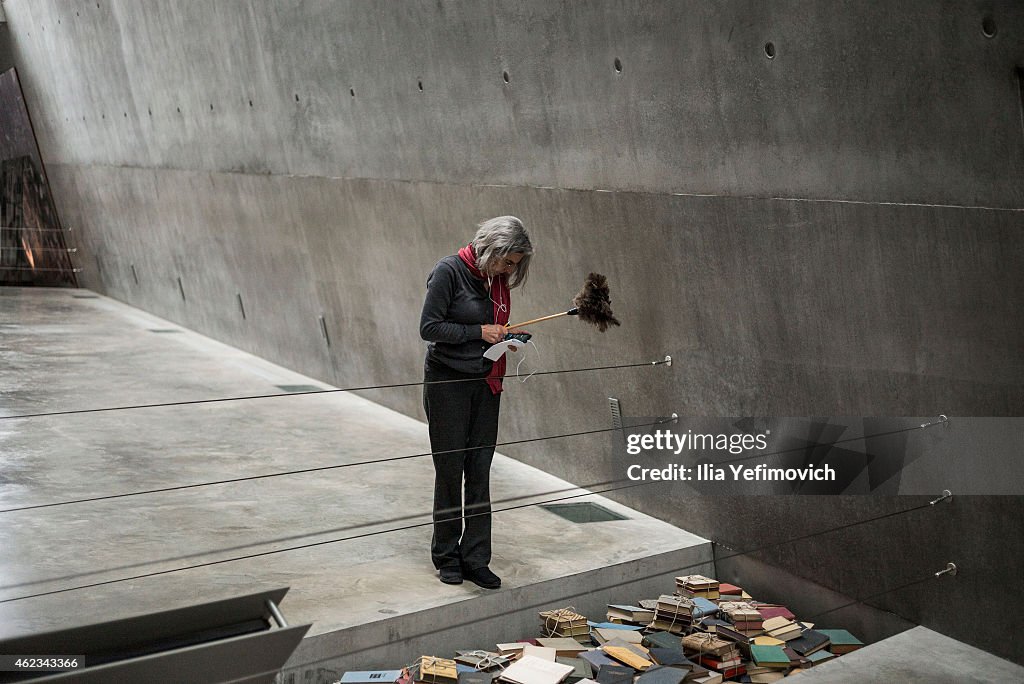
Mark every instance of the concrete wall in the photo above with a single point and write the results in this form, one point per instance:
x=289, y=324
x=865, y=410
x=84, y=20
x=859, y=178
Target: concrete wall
x=835, y=230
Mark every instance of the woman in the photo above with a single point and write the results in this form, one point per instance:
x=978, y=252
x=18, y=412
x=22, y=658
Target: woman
x=465, y=311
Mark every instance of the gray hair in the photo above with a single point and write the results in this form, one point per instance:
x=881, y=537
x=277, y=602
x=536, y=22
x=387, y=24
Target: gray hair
x=498, y=237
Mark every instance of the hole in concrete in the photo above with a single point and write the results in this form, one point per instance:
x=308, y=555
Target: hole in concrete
x=420, y=85
x=352, y=92
x=299, y=388
x=769, y=50
x=126, y=115
x=150, y=112
x=585, y=512
x=296, y=97
x=211, y=106
x=179, y=110
x=504, y=75
x=104, y=116
x=618, y=65
x=250, y=103
x=988, y=26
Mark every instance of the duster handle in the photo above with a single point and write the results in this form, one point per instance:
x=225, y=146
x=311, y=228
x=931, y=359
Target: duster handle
x=571, y=312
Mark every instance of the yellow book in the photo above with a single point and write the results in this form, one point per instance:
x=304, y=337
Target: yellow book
x=768, y=641
x=626, y=656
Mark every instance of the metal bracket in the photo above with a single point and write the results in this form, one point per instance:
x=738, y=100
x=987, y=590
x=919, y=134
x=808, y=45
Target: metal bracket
x=943, y=421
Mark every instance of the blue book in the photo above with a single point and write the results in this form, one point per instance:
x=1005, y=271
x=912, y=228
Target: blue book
x=703, y=607
x=612, y=625
x=597, y=659
x=371, y=677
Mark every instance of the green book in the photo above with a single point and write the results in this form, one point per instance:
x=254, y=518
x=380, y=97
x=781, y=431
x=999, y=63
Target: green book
x=769, y=656
x=842, y=641
x=820, y=657
x=662, y=640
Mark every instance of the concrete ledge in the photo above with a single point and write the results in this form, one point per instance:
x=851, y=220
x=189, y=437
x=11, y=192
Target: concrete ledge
x=491, y=618
x=917, y=655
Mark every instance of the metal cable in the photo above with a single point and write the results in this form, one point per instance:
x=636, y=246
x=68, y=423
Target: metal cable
x=317, y=469
x=321, y=391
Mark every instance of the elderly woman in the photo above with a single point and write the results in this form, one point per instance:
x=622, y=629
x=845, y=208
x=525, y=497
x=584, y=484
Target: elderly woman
x=465, y=311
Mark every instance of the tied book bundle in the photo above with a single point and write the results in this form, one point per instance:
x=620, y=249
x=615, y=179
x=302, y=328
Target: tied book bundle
x=565, y=622
x=704, y=644
x=481, y=660
x=744, y=617
x=673, y=614
x=433, y=670
x=694, y=586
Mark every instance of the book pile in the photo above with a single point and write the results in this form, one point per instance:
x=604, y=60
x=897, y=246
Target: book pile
x=673, y=614
x=693, y=586
x=716, y=653
x=744, y=617
x=631, y=615
x=715, y=634
x=782, y=628
x=565, y=622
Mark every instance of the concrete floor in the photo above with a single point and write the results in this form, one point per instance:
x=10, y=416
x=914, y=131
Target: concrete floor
x=918, y=655
x=70, y=349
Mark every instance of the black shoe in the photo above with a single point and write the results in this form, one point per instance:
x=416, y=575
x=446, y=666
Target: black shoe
x=451, y=575
x=482, y=577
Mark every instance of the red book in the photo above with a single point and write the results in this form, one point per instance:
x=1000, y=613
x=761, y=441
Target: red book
x=716, y=664
x=726, y=589
x=776, y=611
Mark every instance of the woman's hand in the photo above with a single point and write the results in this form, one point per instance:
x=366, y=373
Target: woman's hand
x=492, y=333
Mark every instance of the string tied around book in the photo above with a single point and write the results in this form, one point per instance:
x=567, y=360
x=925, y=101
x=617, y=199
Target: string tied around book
x=487, y=660
x=557, y=616
x=703, y=639
x=430, y=661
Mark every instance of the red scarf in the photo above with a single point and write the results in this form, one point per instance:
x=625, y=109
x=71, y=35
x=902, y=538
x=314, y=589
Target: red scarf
x=500, y=296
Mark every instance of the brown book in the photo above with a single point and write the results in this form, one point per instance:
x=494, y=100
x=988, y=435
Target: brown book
x=707, y=644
